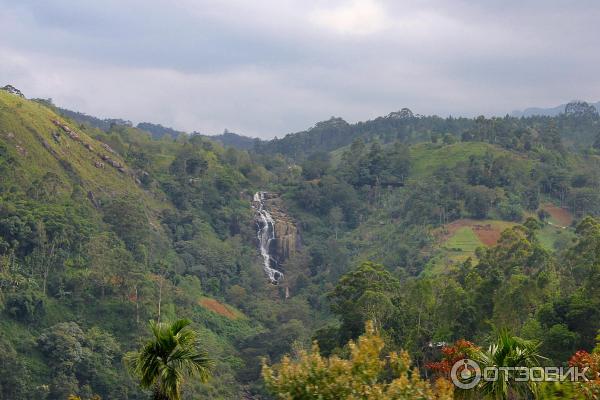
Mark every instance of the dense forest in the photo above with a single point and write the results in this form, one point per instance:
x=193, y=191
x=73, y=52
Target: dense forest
x=413, y=236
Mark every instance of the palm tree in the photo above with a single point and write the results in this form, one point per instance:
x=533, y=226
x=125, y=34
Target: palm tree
x=508, y=351
x=163, y=362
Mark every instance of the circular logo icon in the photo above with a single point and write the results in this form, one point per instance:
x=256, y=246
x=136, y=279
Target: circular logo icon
x=465, y=374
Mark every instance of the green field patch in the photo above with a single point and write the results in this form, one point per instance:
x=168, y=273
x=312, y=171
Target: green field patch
x=463, y=240
x=553, y=237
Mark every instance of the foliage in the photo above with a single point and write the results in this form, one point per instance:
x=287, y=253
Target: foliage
x=460, y=350
x=582, y=359
x=82, y=240
x=311, y=376
x=508, y=351
x=362, y=295
x=80, y=359
x=170, y=355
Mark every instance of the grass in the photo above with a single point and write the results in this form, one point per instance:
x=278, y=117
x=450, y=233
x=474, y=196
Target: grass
x=456, y=249
x=551, y=236
x=460, y=240
x=31, y=124
x=464, y=240
x=220, y=308
x=428, y=157
x=25, y=124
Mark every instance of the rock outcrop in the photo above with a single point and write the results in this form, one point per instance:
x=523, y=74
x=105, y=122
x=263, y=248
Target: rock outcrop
x=72, y=134
x=287, y=237
x=108, y=148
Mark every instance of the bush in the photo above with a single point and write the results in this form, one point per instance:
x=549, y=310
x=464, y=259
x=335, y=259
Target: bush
x=27, y=306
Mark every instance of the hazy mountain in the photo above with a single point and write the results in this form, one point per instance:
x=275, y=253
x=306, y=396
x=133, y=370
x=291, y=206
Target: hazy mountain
x=551, y=112
x=104, y=124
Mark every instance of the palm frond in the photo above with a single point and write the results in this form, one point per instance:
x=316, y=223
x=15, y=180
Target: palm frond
x=173, y=353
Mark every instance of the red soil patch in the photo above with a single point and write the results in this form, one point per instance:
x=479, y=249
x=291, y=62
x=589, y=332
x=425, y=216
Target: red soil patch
x=489, y=234
x=220, y=308
x=451, y=228
x=561, y=215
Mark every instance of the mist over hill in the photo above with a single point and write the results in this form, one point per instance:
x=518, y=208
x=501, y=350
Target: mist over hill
x=550, y=112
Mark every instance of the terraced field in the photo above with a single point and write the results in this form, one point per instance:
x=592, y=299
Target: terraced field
x=459, y=240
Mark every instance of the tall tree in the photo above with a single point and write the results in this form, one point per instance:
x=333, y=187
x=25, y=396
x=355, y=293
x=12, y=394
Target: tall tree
x=359, y=293
x=171, y=354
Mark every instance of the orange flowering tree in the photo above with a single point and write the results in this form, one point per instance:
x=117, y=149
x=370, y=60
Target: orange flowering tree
x=583, y=359
x=460, y=350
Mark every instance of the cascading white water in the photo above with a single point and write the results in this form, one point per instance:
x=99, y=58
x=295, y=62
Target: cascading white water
x=265, y=234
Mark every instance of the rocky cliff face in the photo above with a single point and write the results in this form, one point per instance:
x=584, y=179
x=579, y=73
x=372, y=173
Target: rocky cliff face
x=286, y=239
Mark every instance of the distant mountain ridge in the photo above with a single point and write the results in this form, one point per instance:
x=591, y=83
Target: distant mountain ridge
x=335, y=132
x=82, y=118
x=235, y=140
x=157, y=131
x=550, y=112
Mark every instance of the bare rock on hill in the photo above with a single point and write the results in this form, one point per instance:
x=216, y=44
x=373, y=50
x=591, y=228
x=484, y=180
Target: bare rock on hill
x=72, y=134
x=114, y=163
x=108, y=148
x=92, y=199
x=48, y=147
x=287, y=236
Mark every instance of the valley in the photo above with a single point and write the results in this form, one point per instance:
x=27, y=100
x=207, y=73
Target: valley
x=434, y=230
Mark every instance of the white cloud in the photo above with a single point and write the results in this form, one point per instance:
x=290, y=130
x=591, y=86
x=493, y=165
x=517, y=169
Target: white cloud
x=356, y=17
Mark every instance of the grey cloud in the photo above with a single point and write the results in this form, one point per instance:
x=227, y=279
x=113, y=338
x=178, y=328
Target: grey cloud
x=272, y=67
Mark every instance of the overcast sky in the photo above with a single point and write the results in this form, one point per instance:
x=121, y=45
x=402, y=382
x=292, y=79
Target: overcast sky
x=270, y=67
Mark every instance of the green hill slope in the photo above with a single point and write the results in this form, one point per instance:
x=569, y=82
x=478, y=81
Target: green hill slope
x=100, y=230
x=38, y=143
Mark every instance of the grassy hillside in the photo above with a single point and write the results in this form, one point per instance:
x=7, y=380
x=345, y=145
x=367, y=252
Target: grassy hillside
x=38, y=146
x=96, y=228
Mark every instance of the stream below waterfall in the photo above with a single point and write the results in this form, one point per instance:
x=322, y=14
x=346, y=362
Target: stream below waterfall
x=265, y=232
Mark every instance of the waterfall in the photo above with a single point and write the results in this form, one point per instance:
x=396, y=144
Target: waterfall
x=265, y=227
